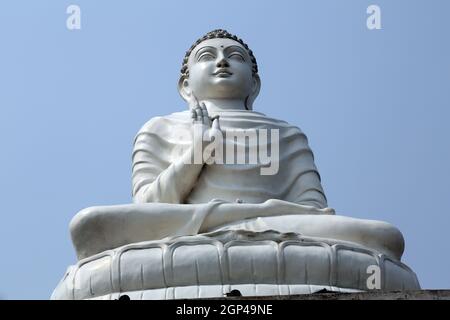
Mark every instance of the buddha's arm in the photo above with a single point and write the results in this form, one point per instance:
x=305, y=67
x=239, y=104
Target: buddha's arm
x=173, y=184
x=311, y=191
x=306, y=187
x=159, y=181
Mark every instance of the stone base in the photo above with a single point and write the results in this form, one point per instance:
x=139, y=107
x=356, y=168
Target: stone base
x=211, y=265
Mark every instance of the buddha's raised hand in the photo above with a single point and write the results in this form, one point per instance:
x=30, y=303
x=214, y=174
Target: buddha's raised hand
x=207, y=129
x=201, y=117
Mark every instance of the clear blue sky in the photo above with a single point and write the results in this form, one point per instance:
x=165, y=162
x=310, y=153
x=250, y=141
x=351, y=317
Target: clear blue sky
x=374, y=104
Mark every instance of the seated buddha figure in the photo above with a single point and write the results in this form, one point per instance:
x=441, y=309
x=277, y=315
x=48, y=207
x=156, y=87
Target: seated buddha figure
x=204, y=175
x=220, y=81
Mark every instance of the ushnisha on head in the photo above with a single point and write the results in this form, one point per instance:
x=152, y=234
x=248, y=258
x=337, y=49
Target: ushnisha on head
x=219, y=66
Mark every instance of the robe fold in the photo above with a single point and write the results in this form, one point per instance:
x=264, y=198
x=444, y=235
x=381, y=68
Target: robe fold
x=162, y=140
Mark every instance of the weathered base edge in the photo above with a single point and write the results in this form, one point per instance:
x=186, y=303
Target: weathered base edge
x=443, y=294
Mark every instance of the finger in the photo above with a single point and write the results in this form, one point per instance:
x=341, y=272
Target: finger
x=193, y=114
x=199, y=114
x=215, y=123
x=204, y=109
x=206, y=119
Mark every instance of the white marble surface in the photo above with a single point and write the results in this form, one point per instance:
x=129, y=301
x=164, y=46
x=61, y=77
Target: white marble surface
x=97, y=229
x=255, y=263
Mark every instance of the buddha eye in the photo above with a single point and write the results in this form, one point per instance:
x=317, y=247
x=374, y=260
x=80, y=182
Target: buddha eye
x=236, y=56
x=207, y=56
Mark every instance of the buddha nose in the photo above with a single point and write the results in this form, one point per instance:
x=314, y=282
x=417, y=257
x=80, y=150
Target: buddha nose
x=223, y=63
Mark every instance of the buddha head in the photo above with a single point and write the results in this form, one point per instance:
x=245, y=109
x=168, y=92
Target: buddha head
x=219, y=66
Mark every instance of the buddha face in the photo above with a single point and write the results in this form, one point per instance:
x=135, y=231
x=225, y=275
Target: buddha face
x=220, y=68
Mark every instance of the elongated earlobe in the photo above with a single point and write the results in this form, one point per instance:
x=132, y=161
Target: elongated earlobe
x=186, y=93
x=255, y=91
x=184, y=89
x=246, y=103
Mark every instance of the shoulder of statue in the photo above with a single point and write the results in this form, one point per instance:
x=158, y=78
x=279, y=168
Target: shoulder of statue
x=160, y=125
x=284, y=124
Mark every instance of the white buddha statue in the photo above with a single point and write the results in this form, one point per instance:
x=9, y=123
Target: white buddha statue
x=198, y=208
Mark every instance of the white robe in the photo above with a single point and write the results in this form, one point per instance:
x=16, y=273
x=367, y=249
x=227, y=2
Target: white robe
x=290, y=201
x=162, y=140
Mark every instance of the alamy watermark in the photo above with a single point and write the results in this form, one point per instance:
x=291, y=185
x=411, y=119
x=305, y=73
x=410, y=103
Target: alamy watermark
x=73, y=21
x=232, y=146
x=374, y=19
x=373, y=281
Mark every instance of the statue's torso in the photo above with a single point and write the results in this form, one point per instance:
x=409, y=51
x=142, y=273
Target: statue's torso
x=164, y=139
